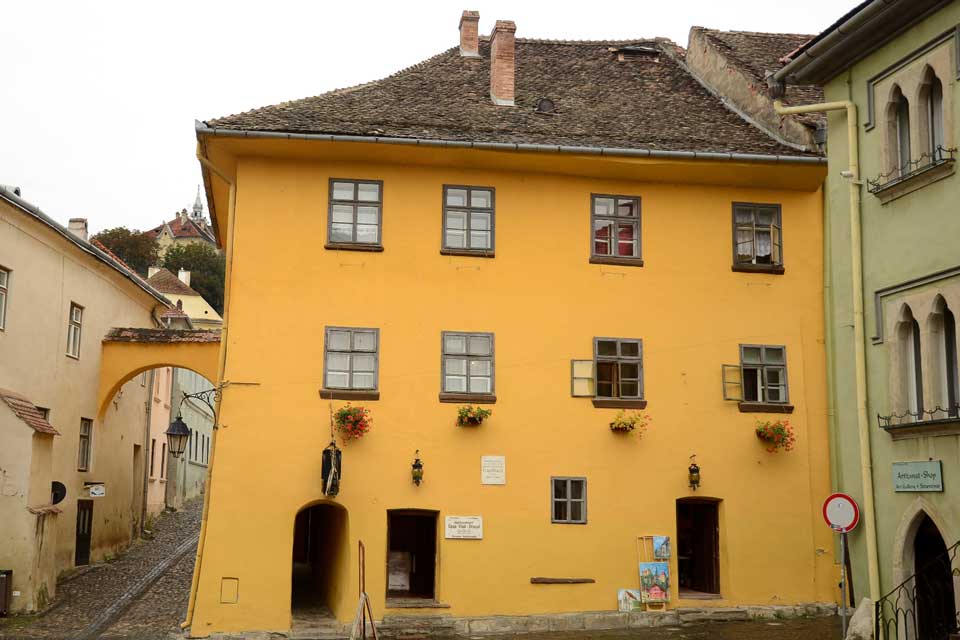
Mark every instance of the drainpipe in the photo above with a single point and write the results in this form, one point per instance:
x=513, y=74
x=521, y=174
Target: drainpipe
x=852, y=174
x=221, y=366
x=146, y=455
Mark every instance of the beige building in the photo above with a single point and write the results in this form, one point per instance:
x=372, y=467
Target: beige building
x=186, y=228
x=177, y=289
x=71, y=481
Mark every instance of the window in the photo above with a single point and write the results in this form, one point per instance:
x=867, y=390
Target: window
x=933, y=92
x=163, y=460
x=44, y=413
x=351, y=359
x=763, y=373
x=86, y=440
x=467, y=366
x=902, y=113
x=909, y=334
x=619, y=367
x=757, y=237
x=356, y=213
x=74, y=329
x=615, y=229
x=153, y=456
x=568, y=497
x=468, y=220
x=4, y=284
x=950, y=379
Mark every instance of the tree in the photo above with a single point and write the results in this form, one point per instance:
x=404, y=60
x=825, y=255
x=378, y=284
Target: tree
x=133, y=247
x=206, y=266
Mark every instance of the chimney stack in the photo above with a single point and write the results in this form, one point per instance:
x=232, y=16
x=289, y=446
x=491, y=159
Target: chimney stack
x=152, y=271
x=78, y=227
x=184, y=276
x=470, y=34
x=503, y=59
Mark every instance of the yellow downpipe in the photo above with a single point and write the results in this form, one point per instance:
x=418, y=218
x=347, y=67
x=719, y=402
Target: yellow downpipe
x=221, y=367
x=856, y=259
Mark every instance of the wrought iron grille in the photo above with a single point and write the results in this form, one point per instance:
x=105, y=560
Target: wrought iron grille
x=926, y=161
x=918, y=418
x=923, y=607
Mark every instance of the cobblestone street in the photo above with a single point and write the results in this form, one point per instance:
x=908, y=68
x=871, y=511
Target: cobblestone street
x=83, y=598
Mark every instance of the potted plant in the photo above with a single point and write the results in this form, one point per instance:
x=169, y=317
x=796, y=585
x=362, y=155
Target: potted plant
x=352, y=422
x=629, y=421
x=777, y=435
x=470, y=416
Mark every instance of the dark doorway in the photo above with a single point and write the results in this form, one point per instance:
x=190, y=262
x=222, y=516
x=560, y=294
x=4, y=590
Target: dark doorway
x=698, y=547
x=412, y=554
x=319, y=556
x=935, y=605
x=84, y=529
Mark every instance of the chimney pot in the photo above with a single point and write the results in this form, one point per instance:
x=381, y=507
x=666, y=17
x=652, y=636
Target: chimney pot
x=184, y=276
x=470, y=34
x=78, y=227
x=503, y=63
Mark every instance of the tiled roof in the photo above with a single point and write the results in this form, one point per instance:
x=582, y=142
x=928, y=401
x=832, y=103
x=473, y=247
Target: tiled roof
x=28, y=412
x=103, y=247
x=645, y=101
x=757, y=53
x=182, y=227
x=166, y=282
x=162, y=335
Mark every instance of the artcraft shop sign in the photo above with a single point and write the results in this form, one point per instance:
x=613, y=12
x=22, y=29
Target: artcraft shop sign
x=918, y=476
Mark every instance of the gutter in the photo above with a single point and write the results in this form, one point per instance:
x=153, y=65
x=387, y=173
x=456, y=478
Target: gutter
x=852, y=175
x=83, y=245
x=203, y=130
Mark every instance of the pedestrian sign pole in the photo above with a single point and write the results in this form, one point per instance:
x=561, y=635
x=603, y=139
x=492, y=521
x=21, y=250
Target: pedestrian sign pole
x=842, y=514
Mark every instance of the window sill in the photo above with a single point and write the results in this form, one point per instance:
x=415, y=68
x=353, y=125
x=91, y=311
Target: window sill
x=353, y=246
x=916, y=180
x=562, y=581
x=623, y=262
x=348, y=394
x=764, y=407
x=467, y=252
x=71, y=356
x=930, y=428
x=619, y=403
x=414, y=603
x=477, y=398
x=775, y=269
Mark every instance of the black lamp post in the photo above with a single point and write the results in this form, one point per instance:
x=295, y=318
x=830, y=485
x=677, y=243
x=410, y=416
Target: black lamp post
x=177, y=436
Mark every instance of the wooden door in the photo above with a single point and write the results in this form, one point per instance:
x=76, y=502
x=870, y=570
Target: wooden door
x=84, y=531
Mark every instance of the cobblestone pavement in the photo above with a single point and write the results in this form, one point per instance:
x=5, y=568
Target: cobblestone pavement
x=796, y=629
x=82, y=598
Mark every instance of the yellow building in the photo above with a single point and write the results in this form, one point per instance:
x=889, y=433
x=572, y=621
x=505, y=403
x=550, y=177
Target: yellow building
x=186, y=228
x=554, y=231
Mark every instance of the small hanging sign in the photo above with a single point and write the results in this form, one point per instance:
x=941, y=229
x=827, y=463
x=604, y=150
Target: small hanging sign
x=926, y=475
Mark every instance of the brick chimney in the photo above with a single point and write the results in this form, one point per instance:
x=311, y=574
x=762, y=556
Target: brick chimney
x=470, y=34
x=78, y=227
x=503, y=59
x=184, y=276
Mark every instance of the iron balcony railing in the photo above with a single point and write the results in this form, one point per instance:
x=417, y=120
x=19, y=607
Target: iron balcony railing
x=922, y=417
x=923, y=606
x=925, y=162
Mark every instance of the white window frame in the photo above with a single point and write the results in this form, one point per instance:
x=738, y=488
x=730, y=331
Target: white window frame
x=74, y=330
x=4, y=295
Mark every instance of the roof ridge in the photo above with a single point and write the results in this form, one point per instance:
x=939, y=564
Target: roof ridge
x=755, y=33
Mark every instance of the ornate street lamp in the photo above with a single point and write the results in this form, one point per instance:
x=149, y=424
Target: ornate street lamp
x=417, y=469
x=177, y=436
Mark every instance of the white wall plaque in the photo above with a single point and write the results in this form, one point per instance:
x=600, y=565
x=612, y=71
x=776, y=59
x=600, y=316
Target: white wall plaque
x=97, y=490
x=917, y=476
x=464, y=527
x=493, y=470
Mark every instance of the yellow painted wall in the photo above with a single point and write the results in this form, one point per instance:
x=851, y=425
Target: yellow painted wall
x=544, y=303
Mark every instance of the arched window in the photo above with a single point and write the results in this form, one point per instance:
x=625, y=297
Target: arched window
x=949, y=345
x=912, y=374
x=902, y=114
x=935, y=117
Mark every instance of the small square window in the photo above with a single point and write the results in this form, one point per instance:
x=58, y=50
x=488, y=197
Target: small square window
x=568, y=497
x=351, y=359
x=615, y=228
x=467, y=363
x=355, y=215
x=468, y=220
x=619, y=368
x=757, y=236
x=763, y=375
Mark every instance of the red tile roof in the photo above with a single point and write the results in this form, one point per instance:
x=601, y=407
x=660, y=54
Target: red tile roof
x=165, y=281
x=28, y=412
x=182, y=227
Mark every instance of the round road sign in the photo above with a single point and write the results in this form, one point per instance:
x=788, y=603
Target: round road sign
x=841, y=512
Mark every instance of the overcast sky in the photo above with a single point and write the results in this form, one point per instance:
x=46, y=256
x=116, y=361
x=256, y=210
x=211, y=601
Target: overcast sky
x=98, y=99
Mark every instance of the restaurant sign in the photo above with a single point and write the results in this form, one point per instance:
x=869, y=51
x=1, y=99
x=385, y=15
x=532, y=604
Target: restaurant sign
x=925, y=475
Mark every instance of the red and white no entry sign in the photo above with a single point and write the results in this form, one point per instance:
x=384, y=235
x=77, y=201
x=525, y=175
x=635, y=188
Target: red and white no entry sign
x=841, y=512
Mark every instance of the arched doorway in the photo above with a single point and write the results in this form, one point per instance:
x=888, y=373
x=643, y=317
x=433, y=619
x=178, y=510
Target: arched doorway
x=320, y=561
x=935, y=604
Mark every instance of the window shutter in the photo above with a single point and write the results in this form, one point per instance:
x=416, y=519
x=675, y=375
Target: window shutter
x=732, y=382
x=582, y=379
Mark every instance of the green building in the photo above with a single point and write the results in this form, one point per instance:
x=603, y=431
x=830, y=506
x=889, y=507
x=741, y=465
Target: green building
x=894, y=400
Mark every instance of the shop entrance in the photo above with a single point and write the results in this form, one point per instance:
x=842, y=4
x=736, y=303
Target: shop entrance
x=320, y=560
x=412, y=554
x=698, y=547
x=936, y=607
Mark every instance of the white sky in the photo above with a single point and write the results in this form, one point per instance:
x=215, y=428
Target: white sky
x=98, y=99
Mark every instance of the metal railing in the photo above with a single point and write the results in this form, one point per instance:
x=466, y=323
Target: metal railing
x=921, y=417
x=927, y=160
x=924, y=606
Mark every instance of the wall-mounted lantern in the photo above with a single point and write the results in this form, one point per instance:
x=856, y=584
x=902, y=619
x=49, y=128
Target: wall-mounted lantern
x=417, y=469
x=177, y=436
x=330, y=467
x=693, y=473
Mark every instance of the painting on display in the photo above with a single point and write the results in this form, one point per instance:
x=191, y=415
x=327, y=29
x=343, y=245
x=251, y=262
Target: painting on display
x=629, y=600
x=661, y=547
x=655, y=582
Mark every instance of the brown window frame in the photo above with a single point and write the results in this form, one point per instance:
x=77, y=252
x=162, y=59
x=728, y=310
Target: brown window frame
x=776, y=223
x=85, y=448
x=355, y=203
x=637, y=220
x=569, y=480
